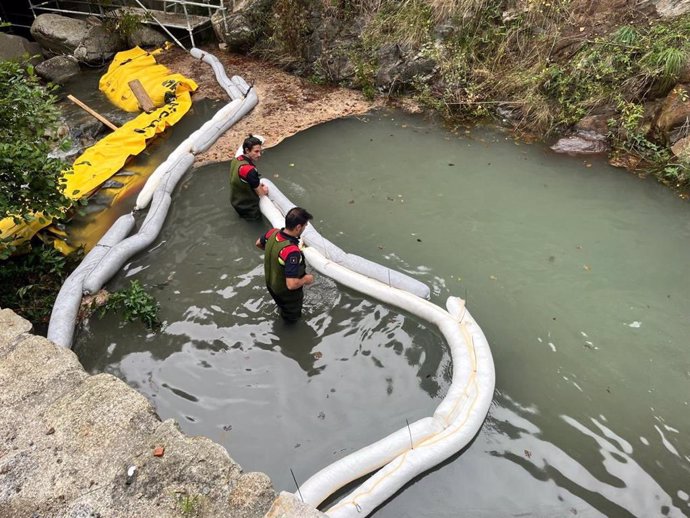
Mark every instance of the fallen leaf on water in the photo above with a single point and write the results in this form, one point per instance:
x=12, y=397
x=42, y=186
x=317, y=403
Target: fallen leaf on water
x=587, y=267
x=493, y=277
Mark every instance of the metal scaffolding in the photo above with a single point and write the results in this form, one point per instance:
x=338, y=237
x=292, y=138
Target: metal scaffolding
x=173, y=14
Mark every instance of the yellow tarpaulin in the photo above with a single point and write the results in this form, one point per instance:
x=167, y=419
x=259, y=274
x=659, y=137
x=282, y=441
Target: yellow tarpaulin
x=108, y=155
x=157, y=80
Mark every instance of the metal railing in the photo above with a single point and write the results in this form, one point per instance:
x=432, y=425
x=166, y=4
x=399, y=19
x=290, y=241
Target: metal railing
x=169, y=15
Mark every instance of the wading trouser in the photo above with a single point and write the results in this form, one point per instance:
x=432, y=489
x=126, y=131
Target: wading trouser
x=290, y=303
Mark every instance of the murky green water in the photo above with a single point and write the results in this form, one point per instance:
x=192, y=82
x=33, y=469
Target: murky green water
x=578, y=276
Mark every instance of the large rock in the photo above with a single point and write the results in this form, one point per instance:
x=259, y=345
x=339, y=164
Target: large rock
x=681, y=149
x=144, y=36
x=241, y=29
x=89, y=43
x=674, y=111
x=98, y=46
x=287, y=505
x=74, y=445
x=13, y=48
x=671, y=8
x=58, y=69
x=59, y=34
x=581, y=143
x=397, y=71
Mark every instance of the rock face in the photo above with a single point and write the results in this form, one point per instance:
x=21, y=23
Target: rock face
x=674, y=113
x=98, y=46
x=145, y=37
x=288, y=505
x=58, y=69
x=672, y=8
x=89, y=43
x=241, y=29
x=16, y=48
x=79, y=445
x=581, y=143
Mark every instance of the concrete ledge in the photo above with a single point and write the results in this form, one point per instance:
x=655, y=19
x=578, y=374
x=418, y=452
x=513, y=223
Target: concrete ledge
x=75, y=445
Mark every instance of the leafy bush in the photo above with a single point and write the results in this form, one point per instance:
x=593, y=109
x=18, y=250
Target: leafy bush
x=123, y=22
x=32, y=182
x=134, y=303
x=31, y=282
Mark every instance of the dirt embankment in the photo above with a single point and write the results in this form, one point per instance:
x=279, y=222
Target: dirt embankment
x=287, y=104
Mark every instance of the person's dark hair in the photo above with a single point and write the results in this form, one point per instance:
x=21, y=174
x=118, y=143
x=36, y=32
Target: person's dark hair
x=296, y=216
x=250, y=142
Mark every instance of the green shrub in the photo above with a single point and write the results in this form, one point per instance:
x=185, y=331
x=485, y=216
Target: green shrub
x=32, y=182
x=31, y=282
x=133, y=303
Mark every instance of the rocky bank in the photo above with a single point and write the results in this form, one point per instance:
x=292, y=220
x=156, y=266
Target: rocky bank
x=79, y=446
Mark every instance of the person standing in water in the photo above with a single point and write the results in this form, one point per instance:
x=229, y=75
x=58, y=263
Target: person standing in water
x=245, y=181
x=284, y=265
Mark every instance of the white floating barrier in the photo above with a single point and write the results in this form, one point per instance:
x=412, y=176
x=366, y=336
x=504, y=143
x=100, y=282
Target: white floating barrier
x=353, y=262
x=409, y=451
x=66, y=307
x=113, y=250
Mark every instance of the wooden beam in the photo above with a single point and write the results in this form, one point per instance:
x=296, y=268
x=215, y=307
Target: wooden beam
x=145, y=102
x=92, y=112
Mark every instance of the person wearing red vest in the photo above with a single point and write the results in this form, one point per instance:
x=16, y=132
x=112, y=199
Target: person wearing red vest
x=284, y=265
x=245, y=185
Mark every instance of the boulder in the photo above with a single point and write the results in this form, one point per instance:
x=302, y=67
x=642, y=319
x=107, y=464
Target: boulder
x=144, y=37
x=674, y=111
x=59, y=34
x=398, y=72
x=288, y=505
x=581, y=143
x=241, y=29
x=98, y=46
x=681, y=149
x=598, y=123
x=58, y=69
x=671, y=8
x=84, y=446
x=14, y=47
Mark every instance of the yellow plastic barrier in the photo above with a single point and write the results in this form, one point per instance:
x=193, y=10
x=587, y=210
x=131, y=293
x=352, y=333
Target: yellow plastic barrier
x=139, y=64
x=108, y=155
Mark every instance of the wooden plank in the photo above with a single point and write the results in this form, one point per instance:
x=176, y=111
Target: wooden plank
x=92, y=112
x=145, y=102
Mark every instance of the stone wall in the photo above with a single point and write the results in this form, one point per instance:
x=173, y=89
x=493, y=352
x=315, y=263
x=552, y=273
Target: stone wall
x=75, y=445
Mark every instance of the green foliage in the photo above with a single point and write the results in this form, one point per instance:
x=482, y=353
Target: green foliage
x=406, y=23
x=290, y=29
x=122, y=22
x=32, y=182
x=629, y=137
x=31, y=282
x=134, y=303
x=188, y=505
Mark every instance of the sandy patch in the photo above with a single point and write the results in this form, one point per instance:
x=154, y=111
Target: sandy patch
x=287, y=104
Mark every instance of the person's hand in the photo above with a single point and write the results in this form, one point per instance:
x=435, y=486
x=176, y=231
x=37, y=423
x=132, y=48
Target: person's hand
x=264, y=189
x=308, y=279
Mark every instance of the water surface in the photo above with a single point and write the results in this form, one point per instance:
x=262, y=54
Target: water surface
x=577, y=273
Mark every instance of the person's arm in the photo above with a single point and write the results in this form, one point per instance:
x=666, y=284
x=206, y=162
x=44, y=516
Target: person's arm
x=292, y=268
x=261, y=190
x=261, y=242
x=251, y=176
x=294, y=283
